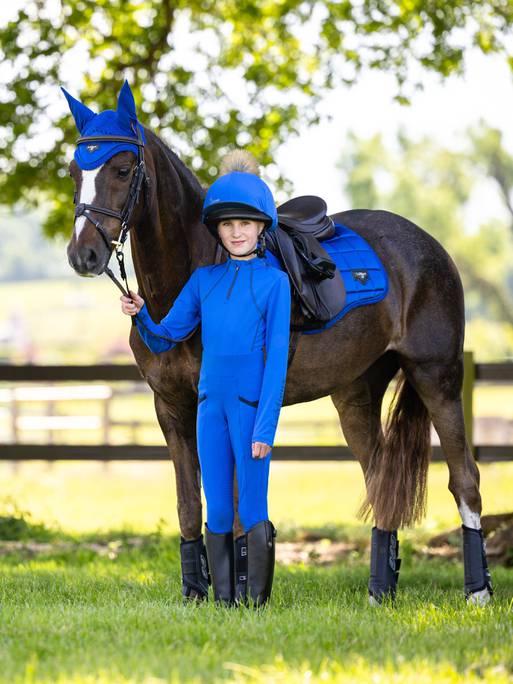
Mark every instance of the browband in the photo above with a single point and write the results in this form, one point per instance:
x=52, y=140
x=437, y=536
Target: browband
x=111, y=138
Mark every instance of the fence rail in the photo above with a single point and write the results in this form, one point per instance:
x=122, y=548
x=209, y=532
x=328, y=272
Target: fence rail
x=496, y=373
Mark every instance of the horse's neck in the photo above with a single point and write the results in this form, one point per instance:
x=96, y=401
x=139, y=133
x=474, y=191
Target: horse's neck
x=169, y=242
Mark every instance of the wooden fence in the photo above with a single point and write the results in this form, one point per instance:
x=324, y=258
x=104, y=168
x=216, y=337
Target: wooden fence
x=495, y=373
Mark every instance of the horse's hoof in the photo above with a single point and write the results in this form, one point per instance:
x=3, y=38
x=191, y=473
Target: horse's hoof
x=479, y=598
x=193, y=596
x=382, y=599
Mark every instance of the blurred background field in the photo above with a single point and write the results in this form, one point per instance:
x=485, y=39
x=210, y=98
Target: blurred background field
x=139, y=497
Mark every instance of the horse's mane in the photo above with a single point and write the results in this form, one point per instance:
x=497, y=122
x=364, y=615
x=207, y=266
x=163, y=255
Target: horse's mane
x=186, y=175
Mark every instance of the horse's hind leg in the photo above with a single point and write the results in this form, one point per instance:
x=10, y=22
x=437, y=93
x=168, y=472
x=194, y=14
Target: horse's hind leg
x=439, y=386
x=359, y=409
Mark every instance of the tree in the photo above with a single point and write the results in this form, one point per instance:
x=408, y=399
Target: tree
x=491, y=156
x=260, y=42
x=433, y=187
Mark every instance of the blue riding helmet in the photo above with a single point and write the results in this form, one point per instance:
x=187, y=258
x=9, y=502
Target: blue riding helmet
x=239, y=195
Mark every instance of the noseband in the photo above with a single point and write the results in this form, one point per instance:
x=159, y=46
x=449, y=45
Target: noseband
x=140, y=176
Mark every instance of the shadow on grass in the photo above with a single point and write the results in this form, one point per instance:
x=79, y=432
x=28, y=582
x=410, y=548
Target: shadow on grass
x=74, y=614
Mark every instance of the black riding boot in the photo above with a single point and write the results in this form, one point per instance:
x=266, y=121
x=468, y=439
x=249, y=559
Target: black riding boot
x=240, y=546
x=221, y=564
x=261, y=552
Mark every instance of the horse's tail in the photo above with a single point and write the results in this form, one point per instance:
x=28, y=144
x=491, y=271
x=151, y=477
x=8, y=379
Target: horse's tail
x=397, y=473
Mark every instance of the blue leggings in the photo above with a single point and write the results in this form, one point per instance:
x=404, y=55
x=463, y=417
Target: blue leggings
x=228, y=392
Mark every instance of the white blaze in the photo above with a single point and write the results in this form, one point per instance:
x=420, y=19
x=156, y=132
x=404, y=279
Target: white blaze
x=87, y=195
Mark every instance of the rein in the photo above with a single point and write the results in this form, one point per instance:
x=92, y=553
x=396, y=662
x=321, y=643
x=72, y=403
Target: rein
x=140, y=176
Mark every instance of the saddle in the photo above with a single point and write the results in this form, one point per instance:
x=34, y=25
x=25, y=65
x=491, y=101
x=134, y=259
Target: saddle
x=314, y=277
x=307, y=215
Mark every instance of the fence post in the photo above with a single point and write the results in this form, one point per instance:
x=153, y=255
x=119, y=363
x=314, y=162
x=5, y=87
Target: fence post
x=469, y=376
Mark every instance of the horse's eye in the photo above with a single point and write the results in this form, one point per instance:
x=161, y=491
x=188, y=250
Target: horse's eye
x=123, y=173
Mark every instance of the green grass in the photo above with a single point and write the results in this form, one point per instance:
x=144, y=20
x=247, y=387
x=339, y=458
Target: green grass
x=72, y=615
x=75, y=617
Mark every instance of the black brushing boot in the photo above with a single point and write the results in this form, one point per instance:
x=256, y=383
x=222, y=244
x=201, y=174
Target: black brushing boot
x=240, y=546
x=221, y=564
x=385, y=564
x=477, y=575
x=261, y=547
x=195, y=577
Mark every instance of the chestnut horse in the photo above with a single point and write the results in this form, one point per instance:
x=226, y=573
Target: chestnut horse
x=416, y=331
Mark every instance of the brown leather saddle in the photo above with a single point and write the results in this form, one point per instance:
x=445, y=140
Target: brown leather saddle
x=315, y=279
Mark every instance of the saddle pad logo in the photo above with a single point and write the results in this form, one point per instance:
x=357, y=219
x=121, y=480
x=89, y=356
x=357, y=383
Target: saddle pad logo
x=361, y=276
x=92, y=148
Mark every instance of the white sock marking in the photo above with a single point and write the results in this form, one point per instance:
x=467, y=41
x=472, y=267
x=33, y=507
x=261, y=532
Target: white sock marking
x=468, y=518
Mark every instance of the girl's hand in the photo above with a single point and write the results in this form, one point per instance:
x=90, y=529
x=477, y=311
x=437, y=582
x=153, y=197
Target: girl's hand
x=131, y=306
x=260, y=449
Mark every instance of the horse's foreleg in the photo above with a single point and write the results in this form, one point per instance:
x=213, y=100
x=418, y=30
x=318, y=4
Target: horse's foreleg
x=359, y=409
x=181, y=440
x=439, y=387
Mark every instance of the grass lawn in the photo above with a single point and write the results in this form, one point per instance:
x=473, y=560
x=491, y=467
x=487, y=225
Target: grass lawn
x=79, y=618
x=76, y=616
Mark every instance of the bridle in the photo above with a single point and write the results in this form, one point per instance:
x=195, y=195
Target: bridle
x=140, y=176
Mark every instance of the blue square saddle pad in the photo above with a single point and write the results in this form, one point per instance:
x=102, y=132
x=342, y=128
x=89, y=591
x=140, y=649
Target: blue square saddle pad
x=364, y=275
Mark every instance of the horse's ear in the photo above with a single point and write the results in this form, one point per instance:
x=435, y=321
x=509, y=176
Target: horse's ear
x=127, y=115
x=81, y=113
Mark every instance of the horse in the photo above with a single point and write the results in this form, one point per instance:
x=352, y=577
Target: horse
x=415, y=334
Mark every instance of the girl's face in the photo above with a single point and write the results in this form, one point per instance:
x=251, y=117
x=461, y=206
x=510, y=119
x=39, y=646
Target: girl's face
x=239, y=235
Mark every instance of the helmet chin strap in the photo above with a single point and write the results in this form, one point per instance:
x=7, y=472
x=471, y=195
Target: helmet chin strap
x=239, y=255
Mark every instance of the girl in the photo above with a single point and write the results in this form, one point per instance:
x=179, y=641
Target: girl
x=244, y=309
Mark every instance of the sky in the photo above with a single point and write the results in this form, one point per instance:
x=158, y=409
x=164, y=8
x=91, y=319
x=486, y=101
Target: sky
x=443, y=110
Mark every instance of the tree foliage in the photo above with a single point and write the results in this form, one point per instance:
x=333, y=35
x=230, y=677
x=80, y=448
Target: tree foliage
x=436, y=188
x=265, y=44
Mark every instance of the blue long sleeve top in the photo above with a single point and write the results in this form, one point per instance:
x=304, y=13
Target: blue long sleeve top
x=242, y=305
